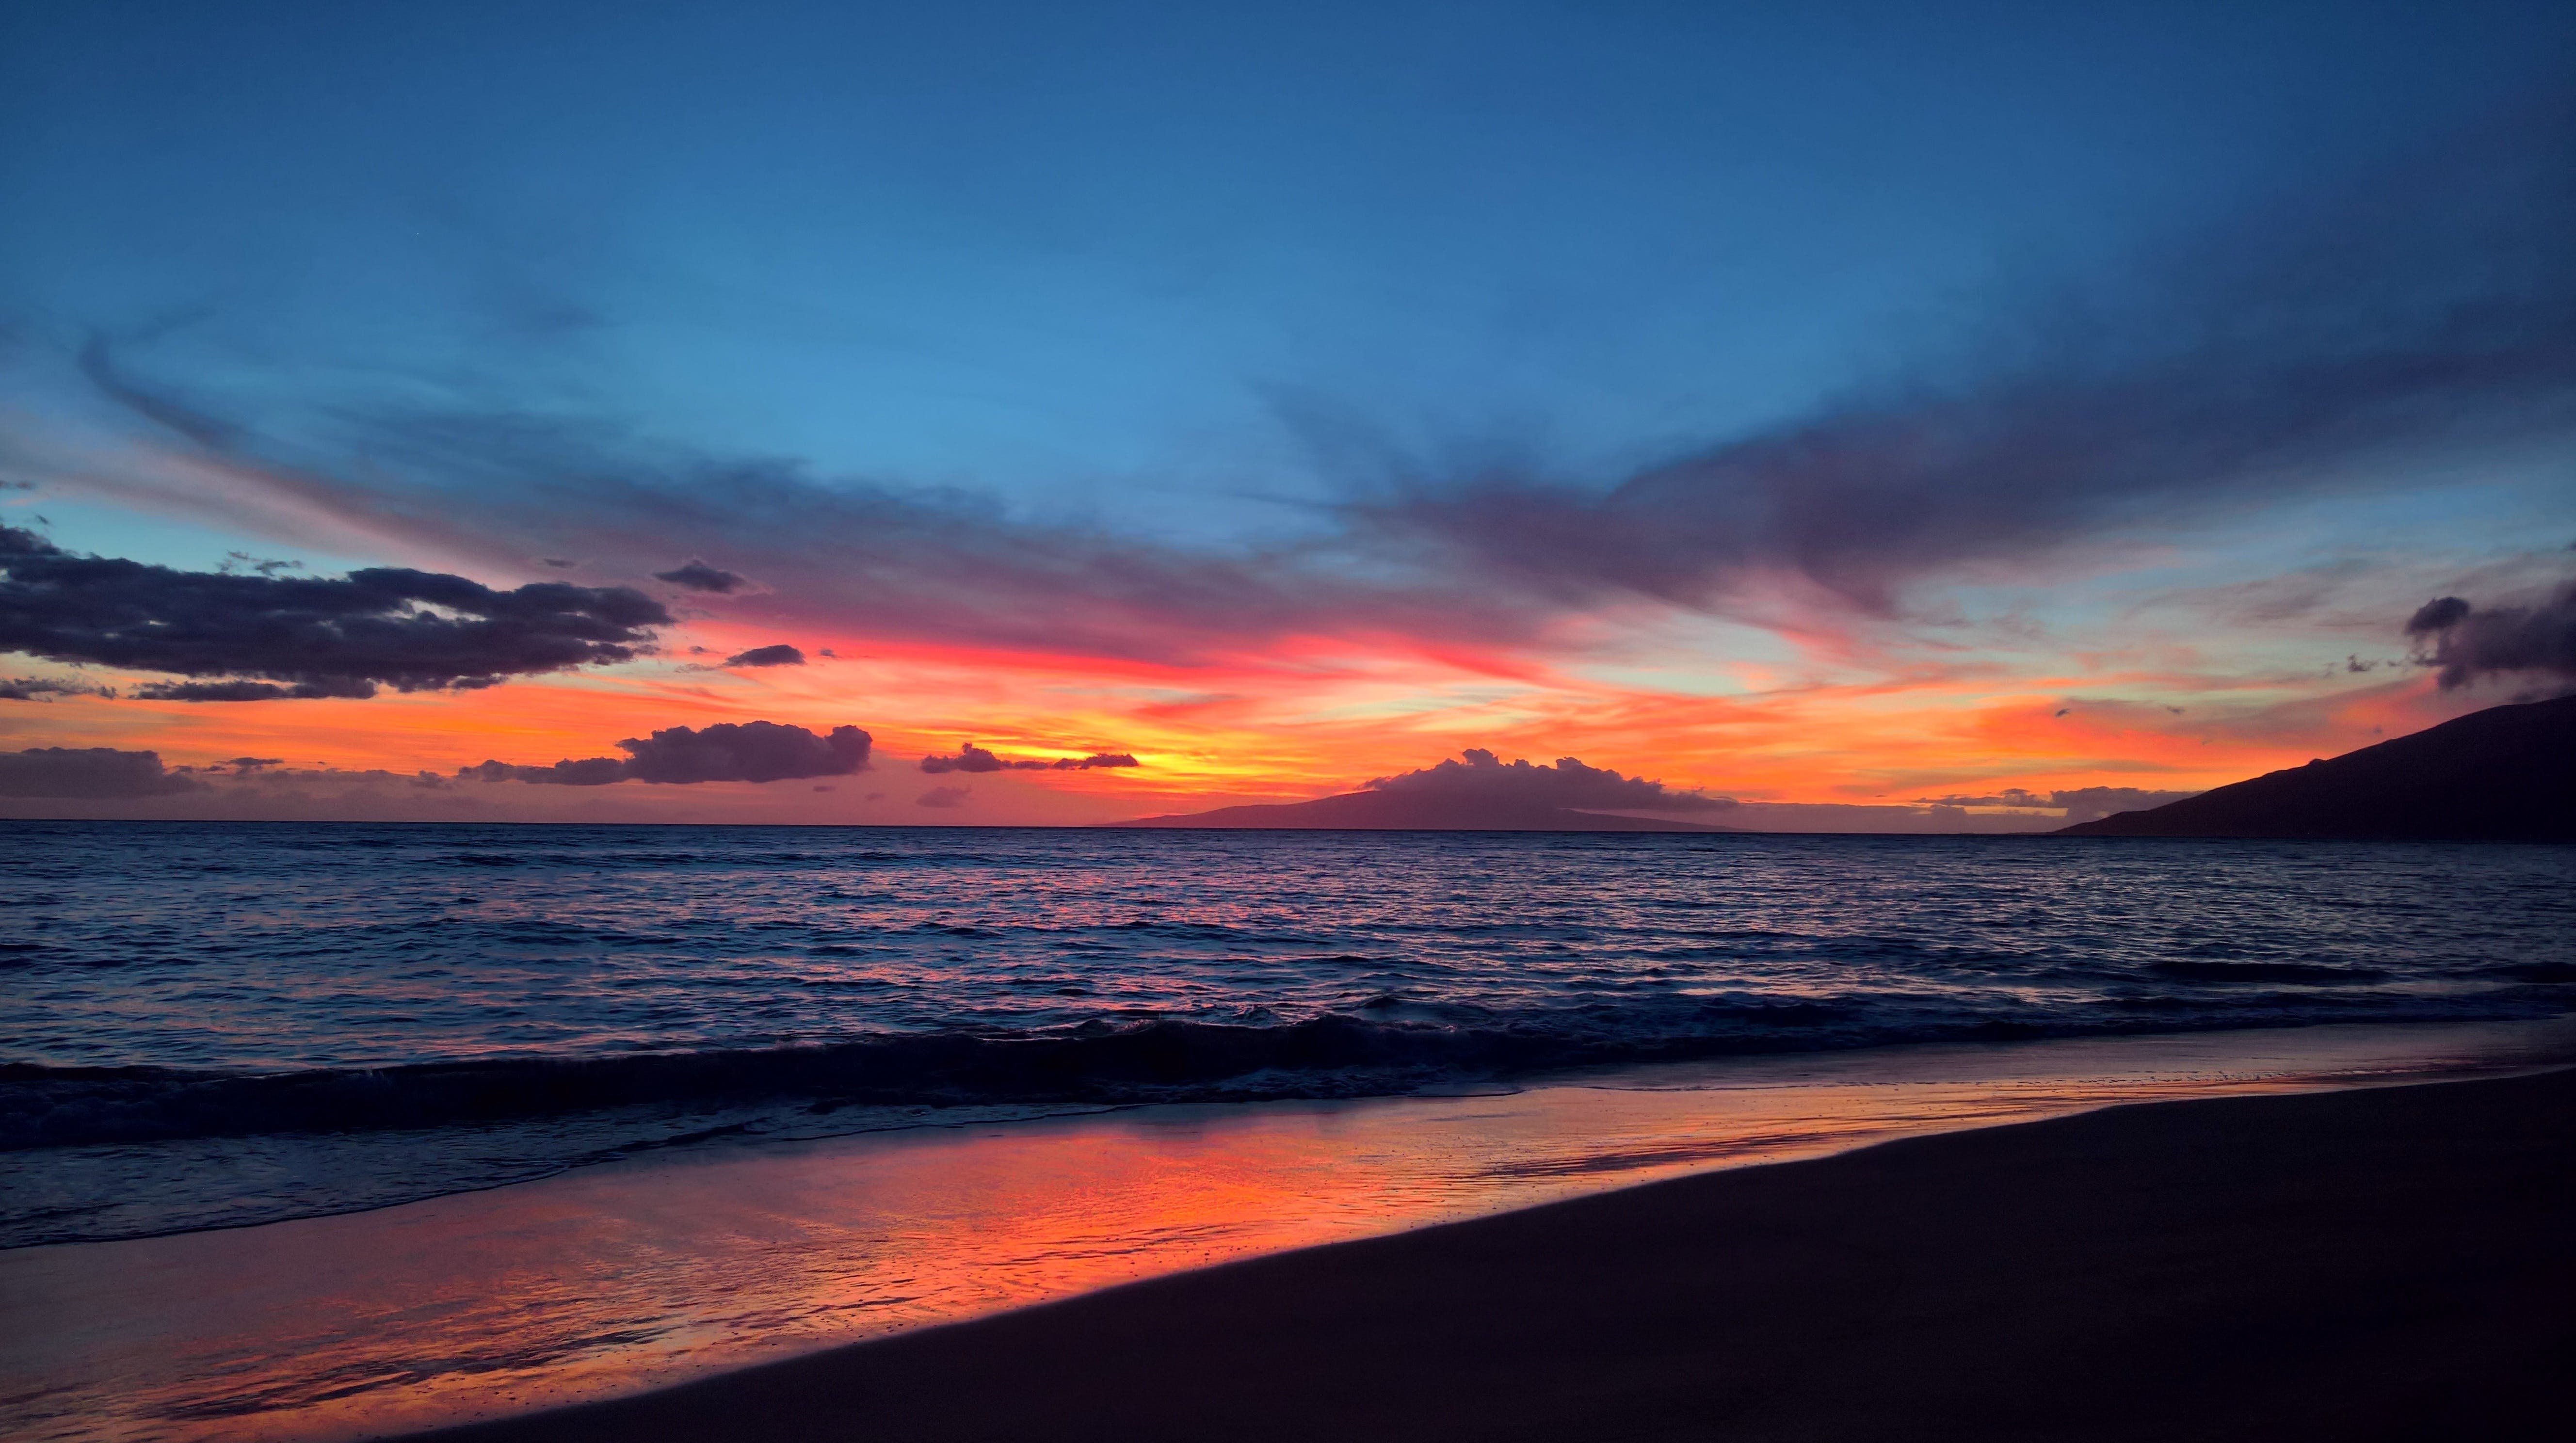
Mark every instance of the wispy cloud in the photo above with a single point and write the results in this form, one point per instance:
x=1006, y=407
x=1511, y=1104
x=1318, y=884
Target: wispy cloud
x=2432, y=307
x=974, y=759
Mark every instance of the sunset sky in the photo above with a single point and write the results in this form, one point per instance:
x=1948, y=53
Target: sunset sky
x=1846, y=411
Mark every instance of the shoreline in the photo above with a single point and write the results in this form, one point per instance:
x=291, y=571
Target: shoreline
x=668, y=1267
x=2376, y=1261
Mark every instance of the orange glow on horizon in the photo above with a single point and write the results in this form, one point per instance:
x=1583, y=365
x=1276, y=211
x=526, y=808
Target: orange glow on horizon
x=1314, y=719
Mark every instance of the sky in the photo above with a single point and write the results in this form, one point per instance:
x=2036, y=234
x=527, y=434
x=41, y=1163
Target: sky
x=1851, y=417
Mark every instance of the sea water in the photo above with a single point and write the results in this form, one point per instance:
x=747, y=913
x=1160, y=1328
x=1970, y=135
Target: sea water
x=323, y=1132
x=221, y=1024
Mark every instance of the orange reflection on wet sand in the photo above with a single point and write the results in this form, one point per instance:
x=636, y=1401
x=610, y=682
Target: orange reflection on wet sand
x=623, y=1276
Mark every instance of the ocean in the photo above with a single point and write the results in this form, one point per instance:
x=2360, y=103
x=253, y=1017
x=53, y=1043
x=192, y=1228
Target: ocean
x=213, y=1025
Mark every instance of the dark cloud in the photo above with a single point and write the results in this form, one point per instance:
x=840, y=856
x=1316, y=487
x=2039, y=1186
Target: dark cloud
x=696, y=575
x=1566, y=783
x=745, y=752
x=243, y=561
x=2469, y=642
x=779, y=655
x=347, y=688
x=305, y=637
x=972, y=758
x=756, y=751
x=2437, y=615
x=46, y=688
x=944, y=797
x=89, y=773
x=587, y=772
x=559, y=563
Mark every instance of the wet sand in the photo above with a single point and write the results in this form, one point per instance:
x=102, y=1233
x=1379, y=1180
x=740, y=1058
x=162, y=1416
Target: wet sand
x=2391, y=1263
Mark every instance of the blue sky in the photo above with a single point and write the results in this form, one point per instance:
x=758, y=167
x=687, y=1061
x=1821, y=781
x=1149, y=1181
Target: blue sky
x=1139, y=291
x=1087, y=254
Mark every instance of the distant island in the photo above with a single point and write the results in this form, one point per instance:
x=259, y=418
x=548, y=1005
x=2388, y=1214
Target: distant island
x=2506, y=774
x=1405, y=811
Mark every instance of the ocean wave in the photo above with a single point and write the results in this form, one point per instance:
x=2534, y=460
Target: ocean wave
x=1110, y=1061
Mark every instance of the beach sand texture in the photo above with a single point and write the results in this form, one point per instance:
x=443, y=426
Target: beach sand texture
x=2389, y=1263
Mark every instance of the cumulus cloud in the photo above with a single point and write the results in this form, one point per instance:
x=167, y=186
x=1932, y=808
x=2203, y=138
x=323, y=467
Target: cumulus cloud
x=779, y=655
x=972, y=758
x=944, y=797
x=756, y=751
x=88, y=773
x=1476, y=773
x=2469, y=642
x=275, y=637
x=696, y=575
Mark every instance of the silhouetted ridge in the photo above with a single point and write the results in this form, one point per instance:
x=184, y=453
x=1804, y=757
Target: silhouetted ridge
x=2506, y=774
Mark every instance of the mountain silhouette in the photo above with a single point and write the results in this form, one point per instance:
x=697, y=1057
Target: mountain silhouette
x=2506, y=774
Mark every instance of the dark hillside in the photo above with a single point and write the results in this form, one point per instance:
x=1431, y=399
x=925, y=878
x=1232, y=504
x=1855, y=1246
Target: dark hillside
x=2506, y=774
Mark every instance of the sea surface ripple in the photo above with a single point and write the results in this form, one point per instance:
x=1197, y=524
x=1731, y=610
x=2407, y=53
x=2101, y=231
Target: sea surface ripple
x=219, y=1023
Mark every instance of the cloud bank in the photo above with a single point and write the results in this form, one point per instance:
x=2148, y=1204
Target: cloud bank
x=272, y=637
x=1477, y=774
x=755, y=751
x=87, y=773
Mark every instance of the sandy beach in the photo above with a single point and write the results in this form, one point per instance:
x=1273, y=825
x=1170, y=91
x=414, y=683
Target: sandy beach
x=2382, y=1263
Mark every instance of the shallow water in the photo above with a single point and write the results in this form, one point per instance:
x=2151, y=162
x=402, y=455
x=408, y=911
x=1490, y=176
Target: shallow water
x=219, y=1024
x=634, y=1273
